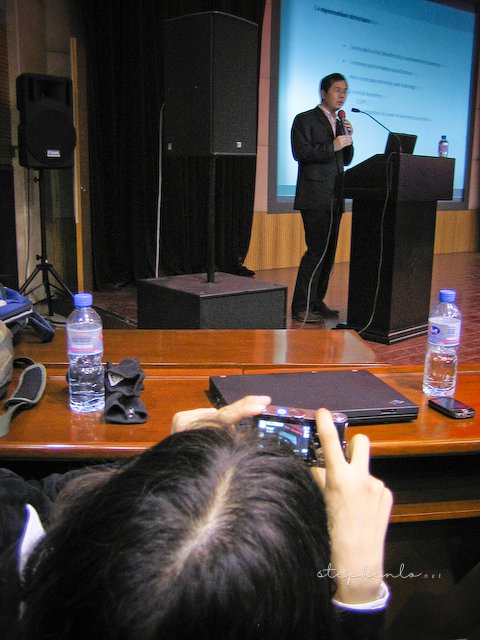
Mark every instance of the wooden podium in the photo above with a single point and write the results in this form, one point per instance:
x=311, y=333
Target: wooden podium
x=393, y=230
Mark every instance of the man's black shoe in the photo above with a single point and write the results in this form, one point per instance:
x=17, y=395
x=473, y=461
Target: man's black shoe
x=309, y=317
x=325, y=311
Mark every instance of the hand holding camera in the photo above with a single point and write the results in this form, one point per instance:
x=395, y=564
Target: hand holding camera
x=358, y=508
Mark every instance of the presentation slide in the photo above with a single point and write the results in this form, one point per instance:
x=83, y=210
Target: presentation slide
x=408, y=63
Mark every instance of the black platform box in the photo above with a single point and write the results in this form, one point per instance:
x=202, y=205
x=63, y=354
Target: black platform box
x=191, y=302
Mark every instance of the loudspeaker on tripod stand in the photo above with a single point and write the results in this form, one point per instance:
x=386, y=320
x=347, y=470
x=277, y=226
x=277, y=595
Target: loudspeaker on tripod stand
x=46, y=140
x=46, y=135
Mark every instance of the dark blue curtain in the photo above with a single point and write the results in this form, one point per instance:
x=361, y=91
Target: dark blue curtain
x=124, y=49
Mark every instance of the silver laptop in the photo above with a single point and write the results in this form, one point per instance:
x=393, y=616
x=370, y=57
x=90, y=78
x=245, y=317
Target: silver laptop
x=359, y=394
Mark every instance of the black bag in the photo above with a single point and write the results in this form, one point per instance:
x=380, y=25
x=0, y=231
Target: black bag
x=17, y=312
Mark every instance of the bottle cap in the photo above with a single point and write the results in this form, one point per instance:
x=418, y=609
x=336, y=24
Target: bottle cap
x=444, y=137
x=82, y=299
x=447, y=295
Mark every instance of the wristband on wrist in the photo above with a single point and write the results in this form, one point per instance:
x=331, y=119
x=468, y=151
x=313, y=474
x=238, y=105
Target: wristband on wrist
x=375, y=605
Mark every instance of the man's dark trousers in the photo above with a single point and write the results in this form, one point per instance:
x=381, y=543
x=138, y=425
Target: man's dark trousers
x=317, y=230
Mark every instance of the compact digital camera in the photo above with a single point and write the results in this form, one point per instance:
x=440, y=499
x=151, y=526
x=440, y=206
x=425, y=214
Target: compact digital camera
x=296, y=428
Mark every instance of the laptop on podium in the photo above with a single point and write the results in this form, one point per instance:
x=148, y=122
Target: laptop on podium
x=400, y=143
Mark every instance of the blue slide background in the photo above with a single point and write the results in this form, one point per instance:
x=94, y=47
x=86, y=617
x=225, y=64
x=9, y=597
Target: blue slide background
x=407, y=62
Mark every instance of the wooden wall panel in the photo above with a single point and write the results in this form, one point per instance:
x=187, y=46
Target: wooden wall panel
x=277, y=239
x=456, y=231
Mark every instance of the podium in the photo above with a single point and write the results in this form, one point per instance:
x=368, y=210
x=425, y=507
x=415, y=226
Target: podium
x=393, y=231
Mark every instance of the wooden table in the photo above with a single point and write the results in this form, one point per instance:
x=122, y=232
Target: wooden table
x=51, y=429
x=242, y=350
x=412, y=457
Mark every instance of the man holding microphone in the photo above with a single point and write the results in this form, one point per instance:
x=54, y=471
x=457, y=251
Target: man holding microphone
x=322, y=145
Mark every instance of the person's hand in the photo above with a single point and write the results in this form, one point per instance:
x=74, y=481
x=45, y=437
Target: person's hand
x=348, y=126
x=358, y=507
x=340, y=142
x=229, y=415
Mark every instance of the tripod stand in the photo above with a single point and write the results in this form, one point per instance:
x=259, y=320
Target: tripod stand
x=44, y=267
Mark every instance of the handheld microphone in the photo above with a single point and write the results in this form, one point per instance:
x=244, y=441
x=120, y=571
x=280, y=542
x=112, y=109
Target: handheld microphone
x=341, y=117
x=355, y=110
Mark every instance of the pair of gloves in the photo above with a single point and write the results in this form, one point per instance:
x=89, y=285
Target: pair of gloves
x=123, y=386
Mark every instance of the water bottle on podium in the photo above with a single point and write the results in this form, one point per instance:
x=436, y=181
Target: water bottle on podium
x=85, y=350
x=443, y=147
x=441, y=360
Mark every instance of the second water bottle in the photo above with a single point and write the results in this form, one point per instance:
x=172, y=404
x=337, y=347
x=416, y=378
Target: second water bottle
x=441, y=360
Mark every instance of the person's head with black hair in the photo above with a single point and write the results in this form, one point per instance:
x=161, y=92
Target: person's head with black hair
x=202, y=536
x=327, y=81
x=206, y=535
x=333, y=91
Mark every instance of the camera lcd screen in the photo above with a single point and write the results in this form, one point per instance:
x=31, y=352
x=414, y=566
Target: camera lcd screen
x=297, y=436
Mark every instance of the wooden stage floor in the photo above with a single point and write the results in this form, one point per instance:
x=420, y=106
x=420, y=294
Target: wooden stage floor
x=460, y=271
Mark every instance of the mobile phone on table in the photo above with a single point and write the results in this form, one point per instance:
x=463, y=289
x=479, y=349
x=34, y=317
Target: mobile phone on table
x=451, y=407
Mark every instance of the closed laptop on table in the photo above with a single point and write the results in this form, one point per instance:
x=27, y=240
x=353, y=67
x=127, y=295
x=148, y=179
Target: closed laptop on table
x=359, y=394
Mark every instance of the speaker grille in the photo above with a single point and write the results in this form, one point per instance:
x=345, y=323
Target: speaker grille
x=211, y=85
x=46, y=135
x=50, y=139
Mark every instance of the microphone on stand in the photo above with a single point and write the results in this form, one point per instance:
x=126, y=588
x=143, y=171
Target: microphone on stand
x=355, y=110
x=341, y=117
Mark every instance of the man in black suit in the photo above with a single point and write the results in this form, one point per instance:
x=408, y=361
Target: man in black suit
x=322, y=145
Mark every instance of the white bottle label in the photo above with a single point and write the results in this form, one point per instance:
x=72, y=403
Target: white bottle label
x=444, y=331
x=84, y=342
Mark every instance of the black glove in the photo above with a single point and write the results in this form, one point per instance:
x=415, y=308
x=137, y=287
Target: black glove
x=124, y=409
x=123, y=386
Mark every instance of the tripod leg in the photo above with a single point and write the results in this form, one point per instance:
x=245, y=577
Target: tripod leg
x=29, y=280
x=48, y=293
x=62, y=284
x=211, y=220
x=43, y=266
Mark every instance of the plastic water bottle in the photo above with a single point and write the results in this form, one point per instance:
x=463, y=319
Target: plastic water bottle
x=441, y=360
x=85, y=349
x=443, y=147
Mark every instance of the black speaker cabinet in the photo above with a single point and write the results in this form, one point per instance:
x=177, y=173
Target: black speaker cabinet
x=8, y=236
x=211, y=85
x=191, y=302
x=46, y=135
